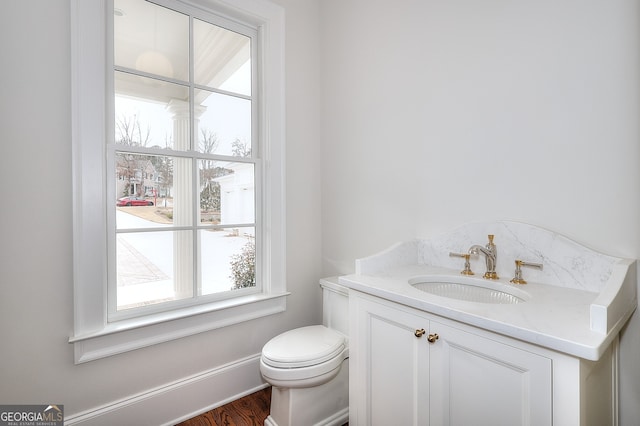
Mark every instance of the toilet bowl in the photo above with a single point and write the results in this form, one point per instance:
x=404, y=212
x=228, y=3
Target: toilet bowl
x=303, y=357
x=308, y=367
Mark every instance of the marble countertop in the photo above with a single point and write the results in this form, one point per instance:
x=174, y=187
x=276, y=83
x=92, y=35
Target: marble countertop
x=577, y=303
x=553, y=317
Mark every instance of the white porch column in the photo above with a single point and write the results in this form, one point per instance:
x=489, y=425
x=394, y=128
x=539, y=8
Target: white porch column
x=183, y=198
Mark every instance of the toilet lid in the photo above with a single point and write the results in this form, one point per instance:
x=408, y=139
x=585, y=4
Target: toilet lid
x=303, y=346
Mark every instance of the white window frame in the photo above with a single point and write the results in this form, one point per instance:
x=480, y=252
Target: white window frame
x=94, y=336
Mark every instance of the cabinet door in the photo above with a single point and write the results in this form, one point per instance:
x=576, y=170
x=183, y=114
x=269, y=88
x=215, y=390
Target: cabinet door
x=388, y=365
x=478, y=381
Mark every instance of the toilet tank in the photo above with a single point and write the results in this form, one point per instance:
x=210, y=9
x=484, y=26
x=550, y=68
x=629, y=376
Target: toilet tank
x=335, y=305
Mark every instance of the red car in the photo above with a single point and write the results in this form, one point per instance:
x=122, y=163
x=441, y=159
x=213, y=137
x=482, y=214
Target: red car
x=133, y=201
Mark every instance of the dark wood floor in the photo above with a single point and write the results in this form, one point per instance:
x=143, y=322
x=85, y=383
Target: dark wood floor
x=251, y=410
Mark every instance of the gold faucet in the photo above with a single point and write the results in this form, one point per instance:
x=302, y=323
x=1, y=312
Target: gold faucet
x=490, y=252
x=467, y=265
x=517, y=278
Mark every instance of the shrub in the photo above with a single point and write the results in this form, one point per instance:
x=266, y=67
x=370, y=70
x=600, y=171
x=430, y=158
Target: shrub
x=243, y=266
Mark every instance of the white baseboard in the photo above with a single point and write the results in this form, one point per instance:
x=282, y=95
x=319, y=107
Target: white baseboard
x=179, y=400
x=338, y=419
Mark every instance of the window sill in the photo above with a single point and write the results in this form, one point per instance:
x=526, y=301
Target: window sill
x=128, y=335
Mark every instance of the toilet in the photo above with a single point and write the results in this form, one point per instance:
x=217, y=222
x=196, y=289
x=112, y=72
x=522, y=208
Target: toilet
x=308, y=367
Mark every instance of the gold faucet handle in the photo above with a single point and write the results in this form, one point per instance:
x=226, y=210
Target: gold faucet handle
x=517, y=276
x=490, y=236
x=467, y=265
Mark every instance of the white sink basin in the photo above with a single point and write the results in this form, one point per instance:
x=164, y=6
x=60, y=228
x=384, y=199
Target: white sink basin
x=470, y=289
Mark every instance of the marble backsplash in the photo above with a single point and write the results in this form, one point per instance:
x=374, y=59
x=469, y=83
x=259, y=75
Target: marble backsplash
x=565, y=262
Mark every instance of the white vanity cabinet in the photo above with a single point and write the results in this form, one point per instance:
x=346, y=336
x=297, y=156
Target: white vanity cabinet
x=465, y=376
x=388, y=365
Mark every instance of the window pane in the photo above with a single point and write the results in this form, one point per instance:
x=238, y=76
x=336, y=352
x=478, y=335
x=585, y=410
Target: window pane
x=151, y=113
x=225, y=124
x=227, y=259
x=161, y=200
x=153, y=191
x=150, y=268
x=221, y=58
x=227, y=193
x=151, y=38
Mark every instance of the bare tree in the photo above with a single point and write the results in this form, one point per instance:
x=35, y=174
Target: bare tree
x=129, y=131
x=208, y=144
x=240, y=148
x=209, y=141
x=210, y=192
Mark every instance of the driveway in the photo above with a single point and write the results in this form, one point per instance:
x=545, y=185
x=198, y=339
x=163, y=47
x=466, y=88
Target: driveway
x=145, y=260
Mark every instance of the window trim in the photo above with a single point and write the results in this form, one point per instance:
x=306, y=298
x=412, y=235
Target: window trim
x=93, y=336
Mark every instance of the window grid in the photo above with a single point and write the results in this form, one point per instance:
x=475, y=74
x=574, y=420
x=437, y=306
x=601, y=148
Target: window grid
x=92, y=102
x=193, y=154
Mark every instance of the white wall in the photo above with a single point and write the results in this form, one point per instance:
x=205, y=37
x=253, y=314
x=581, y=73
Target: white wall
x=438, y=113
x=36, y=311
x=433, y=114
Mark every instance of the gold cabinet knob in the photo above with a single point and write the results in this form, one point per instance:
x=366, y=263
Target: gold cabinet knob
x=419, y=333
x=433, y=337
